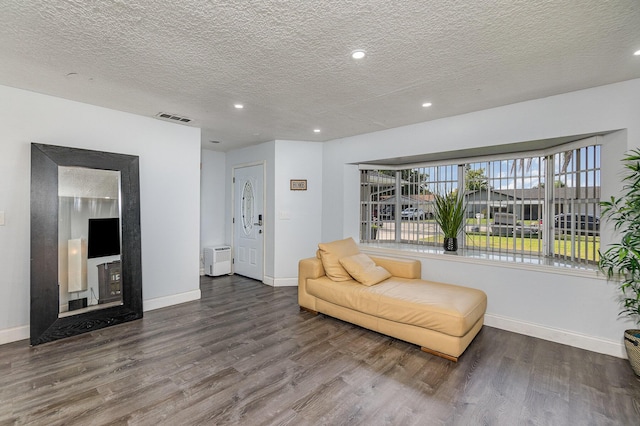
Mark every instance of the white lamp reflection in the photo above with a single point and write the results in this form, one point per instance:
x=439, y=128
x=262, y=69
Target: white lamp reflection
x=77, y=272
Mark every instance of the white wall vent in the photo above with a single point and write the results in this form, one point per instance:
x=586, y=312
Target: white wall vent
x=217, y=260
x=172, y=117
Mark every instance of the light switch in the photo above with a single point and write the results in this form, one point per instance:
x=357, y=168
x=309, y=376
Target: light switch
x=1, y=218
x=284, y=215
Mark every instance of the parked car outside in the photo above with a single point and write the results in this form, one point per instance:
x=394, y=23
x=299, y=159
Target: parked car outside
x=583, y=223
x=412, y=213
x=507, y=225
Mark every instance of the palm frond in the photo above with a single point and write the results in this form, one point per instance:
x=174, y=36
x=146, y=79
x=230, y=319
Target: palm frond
x=622, y=260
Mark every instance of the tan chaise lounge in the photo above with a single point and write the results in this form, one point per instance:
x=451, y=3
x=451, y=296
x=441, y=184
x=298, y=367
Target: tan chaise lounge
x=390, y=297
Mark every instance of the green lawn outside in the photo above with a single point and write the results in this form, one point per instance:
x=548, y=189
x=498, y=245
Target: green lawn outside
x=529, y=245
x=485, y=221
x=534, y=245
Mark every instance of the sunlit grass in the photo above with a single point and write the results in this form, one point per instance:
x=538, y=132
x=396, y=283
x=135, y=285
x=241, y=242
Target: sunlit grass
x=586, y=249
x=587, y=246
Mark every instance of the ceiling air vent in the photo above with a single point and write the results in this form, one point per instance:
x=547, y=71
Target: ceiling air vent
x=172, y=117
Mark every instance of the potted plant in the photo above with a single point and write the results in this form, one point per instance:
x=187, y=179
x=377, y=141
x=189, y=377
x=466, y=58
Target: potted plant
x=449, y=214
x=374, y=230
x=622, y=260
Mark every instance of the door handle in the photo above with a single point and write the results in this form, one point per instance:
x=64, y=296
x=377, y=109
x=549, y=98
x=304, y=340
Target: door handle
x=259, y=223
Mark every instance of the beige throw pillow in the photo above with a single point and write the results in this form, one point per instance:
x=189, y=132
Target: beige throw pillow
x=331, y=253
x=364, y=270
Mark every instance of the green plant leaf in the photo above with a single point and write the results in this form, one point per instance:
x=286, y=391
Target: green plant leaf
x=449, y=213
x=622, y=260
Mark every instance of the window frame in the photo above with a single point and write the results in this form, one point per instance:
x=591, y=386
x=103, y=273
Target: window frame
x=546, y=254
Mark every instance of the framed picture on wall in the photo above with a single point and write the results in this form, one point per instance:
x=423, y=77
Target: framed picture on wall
x=298, y=184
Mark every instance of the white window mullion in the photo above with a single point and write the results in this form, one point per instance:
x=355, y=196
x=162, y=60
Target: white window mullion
x=397, y=208
x=461, y=192
x=548, y=233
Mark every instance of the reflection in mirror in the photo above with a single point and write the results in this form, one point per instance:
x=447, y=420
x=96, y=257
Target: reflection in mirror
x=89, y=235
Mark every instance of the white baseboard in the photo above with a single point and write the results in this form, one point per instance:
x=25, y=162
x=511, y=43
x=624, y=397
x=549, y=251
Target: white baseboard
x=565, y=337
x=174, y=299
x=280, y=282
x=201, y=271
x=14, y=334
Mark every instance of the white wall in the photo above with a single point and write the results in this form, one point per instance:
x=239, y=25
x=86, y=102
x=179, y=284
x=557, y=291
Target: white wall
x=169, y=194
x=298, y=214
x=577, y=310
x=213, y=185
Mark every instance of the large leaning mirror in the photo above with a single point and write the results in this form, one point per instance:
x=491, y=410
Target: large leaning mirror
x=85, y=241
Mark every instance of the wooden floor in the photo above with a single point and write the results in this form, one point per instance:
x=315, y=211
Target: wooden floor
x=245, y=354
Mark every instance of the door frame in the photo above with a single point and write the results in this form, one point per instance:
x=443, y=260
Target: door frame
x=262, y=163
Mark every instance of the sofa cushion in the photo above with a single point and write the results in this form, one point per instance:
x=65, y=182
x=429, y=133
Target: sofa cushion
x=402, y=268
x=331, y=253
x=449, y=309
x=349, y=294
x=364, y=270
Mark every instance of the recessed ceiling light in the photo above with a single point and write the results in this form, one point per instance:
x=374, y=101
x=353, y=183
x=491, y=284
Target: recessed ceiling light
x=637, y=53
x=238, y=106
x=358, y=54
x=316, y=130
x=426, y=104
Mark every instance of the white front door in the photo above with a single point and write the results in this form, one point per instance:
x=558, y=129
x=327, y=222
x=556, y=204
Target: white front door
x=248, y=236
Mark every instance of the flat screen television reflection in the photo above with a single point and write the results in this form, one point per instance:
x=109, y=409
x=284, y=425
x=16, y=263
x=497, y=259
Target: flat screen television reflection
x=104, y=237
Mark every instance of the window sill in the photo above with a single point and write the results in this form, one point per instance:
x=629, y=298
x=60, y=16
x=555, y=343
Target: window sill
x=553, y=266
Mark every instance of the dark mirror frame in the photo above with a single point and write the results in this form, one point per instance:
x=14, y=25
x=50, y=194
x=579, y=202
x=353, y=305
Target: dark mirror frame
x=45, y=324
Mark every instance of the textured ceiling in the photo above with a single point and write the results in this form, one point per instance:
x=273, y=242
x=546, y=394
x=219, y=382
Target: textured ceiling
x=289, y=62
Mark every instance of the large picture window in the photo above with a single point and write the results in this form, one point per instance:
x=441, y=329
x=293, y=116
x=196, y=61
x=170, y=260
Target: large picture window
x=529, y=205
